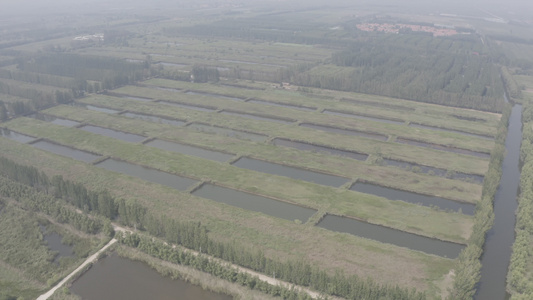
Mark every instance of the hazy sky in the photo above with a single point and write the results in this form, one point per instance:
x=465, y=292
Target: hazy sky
x=40, y=7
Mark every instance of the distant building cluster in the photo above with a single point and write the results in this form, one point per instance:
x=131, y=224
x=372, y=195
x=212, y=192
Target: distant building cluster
x=98, y=37
x=396, y=28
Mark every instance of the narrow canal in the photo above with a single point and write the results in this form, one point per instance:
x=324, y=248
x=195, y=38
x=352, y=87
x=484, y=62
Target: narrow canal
x=499, y=239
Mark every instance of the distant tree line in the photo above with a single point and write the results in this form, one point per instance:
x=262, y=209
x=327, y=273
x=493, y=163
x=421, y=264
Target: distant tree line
x=194, y=235
x=442, y=73
x=71, y=74
x=111, y=72
x=177, y=256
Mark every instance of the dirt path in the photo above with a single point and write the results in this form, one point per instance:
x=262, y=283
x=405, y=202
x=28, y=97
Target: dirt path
x=85, y=263
x=263, y=277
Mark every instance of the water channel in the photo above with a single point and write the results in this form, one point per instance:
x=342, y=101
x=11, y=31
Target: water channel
x=361, y=117
x=66, y=151
x=12, y=135
x=128, y=137
x=391, y=236
x=433, y=171
x=189, y=106
x=369, y=135
x=377, y=104
x=148, y=174
x=304, y=108
x=292, y=172
x=213, y=95
x=317, y=148
x=54, y=120
x=415, y=125
x=190, y=150
x=500, y=238
x=154, y=119
x=255, y=137
x=258, y=117
x=253, y=202
x=443, y=148
x=114, y=277
x=425, y=200
x=96, y=108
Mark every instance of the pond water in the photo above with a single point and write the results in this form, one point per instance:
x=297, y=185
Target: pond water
x=54, y=120
x=19, y=137
x=377, y=104
x=258, y=117
x=189, y=106
x=114, y=277
x=415, y=125
x=53, y=240
x=228, y=132
x=425, y=200
x=317, y=148
x=391, y=236
x=253, y=202
x=154, y=119
x=96, y=108
x=128, y=137
x=66, y=151
x=345, y=131
x=443, y=148
x=434, y=171
x=305, y=108
x=292, y=172
x=213, y=95
x=361, y=117
x=190, y=150
x=148, y=174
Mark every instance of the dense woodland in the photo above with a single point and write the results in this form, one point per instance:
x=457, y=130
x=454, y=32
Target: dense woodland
x=447, y=72
x=48, y=79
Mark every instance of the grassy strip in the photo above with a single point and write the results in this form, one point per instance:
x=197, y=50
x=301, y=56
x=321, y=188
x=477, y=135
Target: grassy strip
x=277, y=238
x=447, y=160
x=367, y=207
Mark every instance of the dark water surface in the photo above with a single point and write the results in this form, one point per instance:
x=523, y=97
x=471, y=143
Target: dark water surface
x=228, y=132
x=54, y=120
x=318, y=148
x=305, y=108
x=361, y=117
x=257, y=117
x=253, y=202
x=443, y=148
x=154, y=119
x=346, y=131
x=114, y=277
x=500, y=238
x=148, y=174
x=451, y=130
x=190, y=150
x=434, y=171
x=66, y=151
x=19, y=137
x=128, y=137
x=425, y=200
x=391, y=236
x=292, y=172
